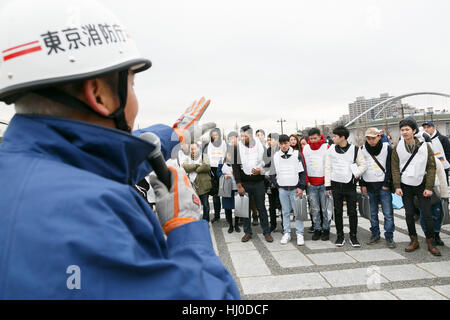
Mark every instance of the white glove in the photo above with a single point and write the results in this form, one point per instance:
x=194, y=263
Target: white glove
x=179, y=206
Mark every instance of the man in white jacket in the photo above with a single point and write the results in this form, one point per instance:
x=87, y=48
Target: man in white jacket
x=343, y=166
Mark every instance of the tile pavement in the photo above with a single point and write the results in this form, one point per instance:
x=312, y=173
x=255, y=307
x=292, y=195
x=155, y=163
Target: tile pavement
x=320, y=271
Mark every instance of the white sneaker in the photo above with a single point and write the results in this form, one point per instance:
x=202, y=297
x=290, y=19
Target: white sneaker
x=278, y=212
x=286, y=238
x=300, y=240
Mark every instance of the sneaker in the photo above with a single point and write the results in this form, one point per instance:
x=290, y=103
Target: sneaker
x=285, y=238
x=354, y=242
x=325, y=235
x=390, y=243
x=340, y=241
x=230, y=229
x=278, y=212
x=311, y=229
x=255, y=221
x=316, y=235
x=246, y=237
x=300, y=240
x=373, y=240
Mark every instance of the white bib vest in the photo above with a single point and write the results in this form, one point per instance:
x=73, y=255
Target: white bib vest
x=315, y=160
x=438, y=150
x=251, y=158
x=216, y=154
x=414, y=173
x=287, y=170
x=341, y=164
x=374, y=172
x=228, y=170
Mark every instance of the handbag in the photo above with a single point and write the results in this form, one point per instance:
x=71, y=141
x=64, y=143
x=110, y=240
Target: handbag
x=445, y=212
x=225, y=187
x=301, y=208
x=329, y=204
x=364, y=206
x=241, y=206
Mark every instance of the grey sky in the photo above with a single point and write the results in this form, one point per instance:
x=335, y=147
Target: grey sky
x=304, y=61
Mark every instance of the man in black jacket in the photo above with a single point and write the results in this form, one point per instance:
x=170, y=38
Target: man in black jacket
x=376, y=181
x=249, y=175
x=290, y=178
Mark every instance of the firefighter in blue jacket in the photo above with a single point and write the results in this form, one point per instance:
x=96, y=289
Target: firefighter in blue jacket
x=71, y=224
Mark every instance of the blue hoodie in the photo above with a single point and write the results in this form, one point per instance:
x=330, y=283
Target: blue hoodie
x=66, y=199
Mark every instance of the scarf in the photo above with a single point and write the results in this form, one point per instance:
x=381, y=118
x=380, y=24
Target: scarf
x=374, y=150
x=318, y=144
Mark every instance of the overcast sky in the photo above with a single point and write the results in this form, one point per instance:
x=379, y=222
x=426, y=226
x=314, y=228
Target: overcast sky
x=304, y=61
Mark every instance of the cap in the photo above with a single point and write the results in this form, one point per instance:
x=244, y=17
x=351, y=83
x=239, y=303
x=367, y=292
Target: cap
x=372, y=132
x=428, y=123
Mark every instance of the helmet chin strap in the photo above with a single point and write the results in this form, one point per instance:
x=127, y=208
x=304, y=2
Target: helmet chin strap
x=122, y=91
x=68, y=100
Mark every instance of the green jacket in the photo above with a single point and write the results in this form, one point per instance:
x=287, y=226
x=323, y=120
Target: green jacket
x=430, y=175
x=202, y=183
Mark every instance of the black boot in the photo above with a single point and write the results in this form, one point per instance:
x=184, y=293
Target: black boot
x=229, y=220
x=437, y=240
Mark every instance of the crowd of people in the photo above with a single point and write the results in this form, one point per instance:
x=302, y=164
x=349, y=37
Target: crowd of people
x=325, y=169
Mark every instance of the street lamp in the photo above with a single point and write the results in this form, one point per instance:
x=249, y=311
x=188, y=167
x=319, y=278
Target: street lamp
x=281, y=122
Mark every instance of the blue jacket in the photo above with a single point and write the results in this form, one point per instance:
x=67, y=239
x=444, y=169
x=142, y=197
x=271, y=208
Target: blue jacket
x=66, y=199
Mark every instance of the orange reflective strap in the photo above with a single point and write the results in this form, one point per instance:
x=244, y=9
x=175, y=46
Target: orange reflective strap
x=176, y=206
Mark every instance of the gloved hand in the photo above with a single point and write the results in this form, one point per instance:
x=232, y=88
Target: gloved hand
x=179, y=206
x=187, y=126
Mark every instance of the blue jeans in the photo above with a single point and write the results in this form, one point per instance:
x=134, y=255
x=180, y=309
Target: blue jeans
x=287, y=199
x=205, y=205
x=385, y=198
x=317, y=195
x=436, y=213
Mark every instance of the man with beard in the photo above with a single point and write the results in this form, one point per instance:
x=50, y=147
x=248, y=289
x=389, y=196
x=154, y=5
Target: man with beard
x=376, y=182
x=248, y=171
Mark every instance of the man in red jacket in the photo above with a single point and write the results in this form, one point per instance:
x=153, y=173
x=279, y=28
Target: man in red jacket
x=314, y=154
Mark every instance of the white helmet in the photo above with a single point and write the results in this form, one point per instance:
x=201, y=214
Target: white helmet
x=47, y=43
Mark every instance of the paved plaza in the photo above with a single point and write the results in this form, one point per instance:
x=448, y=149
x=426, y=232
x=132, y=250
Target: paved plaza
x=319, y=270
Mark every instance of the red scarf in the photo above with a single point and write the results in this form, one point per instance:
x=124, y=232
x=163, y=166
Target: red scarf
x=318, y=144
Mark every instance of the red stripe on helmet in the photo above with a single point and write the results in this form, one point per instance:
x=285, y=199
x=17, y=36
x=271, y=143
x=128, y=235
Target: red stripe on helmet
x=22, y=45
x=21, y=53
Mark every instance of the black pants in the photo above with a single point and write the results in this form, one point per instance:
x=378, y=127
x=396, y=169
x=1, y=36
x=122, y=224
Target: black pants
x=425, y=204
x=274, y=203
x=257, y=191
x=229, y=217
x=347, y=192
x=214, y=190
